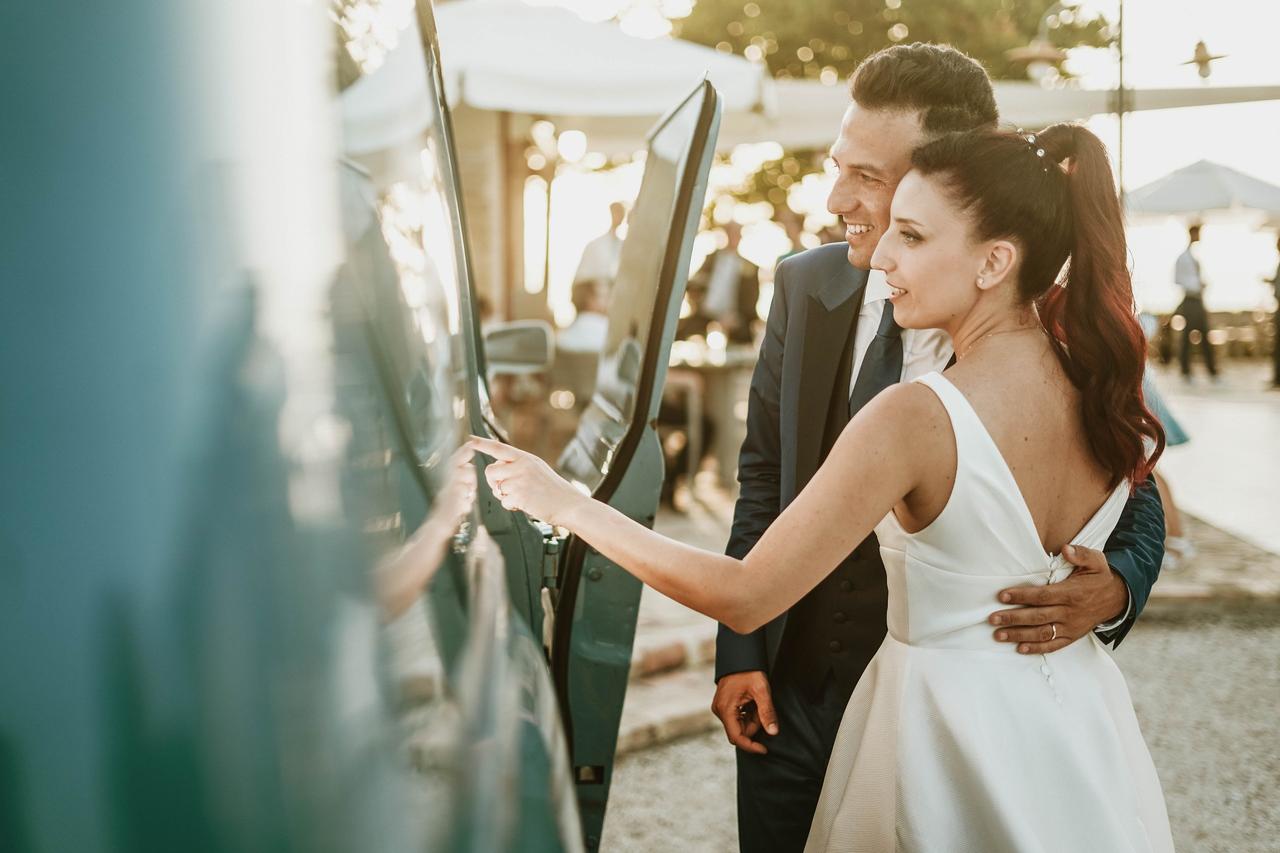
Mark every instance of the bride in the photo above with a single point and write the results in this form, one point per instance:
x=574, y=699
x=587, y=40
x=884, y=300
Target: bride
x=1027, y=446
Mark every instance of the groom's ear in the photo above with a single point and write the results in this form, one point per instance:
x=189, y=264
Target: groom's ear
x=998, y=265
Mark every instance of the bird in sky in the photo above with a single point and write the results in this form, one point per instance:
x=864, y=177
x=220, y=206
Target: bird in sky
x=1202, y=59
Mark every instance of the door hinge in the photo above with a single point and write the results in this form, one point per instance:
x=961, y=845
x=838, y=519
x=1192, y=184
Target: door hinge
x=551, y=545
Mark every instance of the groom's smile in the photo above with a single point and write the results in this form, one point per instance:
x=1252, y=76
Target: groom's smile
x=859, y=234
x=870, y=156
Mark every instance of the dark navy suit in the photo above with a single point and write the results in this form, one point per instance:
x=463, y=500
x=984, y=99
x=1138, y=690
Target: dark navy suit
x=815, y=653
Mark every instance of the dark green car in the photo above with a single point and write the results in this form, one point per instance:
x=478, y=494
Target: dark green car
x=240, y=348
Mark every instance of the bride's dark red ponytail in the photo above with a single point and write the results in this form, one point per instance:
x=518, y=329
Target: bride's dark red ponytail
x=1053, y=193
x=1091, y=317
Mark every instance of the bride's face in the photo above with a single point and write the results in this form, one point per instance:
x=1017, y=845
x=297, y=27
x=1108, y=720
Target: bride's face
x=929, y=257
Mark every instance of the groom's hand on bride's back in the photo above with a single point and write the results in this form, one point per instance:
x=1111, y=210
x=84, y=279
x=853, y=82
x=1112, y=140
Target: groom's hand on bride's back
x=1047, y=618
x=744, y=704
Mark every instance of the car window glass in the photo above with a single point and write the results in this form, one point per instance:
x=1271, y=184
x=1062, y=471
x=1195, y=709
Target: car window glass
x=393, y=129
x=633, y=302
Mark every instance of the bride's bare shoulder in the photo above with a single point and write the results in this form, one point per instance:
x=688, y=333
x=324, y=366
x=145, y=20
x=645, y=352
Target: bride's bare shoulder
x=909, y=414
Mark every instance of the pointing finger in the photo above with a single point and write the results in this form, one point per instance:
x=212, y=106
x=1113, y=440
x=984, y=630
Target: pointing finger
x=496, y=449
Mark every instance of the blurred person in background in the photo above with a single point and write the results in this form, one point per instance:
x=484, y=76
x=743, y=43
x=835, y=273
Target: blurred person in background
x=730, y=285
x=600, y=257
x=484, y=310
x=1178, y=547
x=1186, y=274
x=590, y=328
x=673, y=429
x=793, y=224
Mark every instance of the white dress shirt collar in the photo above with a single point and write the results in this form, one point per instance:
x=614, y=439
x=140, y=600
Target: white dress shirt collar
x=877, y=287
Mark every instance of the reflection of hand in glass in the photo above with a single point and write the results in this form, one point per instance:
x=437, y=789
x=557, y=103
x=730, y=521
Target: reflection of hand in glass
x=401, y=577
x=522, y=481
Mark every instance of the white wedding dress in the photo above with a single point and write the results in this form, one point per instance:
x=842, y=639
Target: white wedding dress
x=954, y=742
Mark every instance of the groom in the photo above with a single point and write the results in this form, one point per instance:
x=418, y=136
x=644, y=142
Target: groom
x=830, y=345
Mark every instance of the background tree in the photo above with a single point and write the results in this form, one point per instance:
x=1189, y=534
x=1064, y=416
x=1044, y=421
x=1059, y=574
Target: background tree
x=826, y=39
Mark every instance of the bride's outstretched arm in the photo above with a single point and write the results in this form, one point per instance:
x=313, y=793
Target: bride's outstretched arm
x=877, y=461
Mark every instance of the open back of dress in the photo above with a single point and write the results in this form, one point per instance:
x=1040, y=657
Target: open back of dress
x=954, y=742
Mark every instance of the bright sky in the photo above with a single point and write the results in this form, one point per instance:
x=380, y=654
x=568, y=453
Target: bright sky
x=1159, y=35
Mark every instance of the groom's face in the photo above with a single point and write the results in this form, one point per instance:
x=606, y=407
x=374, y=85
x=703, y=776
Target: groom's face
x=871, y=155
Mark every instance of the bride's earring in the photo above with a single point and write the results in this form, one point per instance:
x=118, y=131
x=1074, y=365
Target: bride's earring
x=980, y=281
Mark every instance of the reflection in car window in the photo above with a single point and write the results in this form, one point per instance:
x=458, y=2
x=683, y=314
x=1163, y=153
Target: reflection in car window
x=397, y=308
x=394, y=131
x=635, y=294
x=475, y=705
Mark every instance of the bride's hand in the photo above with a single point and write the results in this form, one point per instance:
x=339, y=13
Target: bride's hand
x=522, y=481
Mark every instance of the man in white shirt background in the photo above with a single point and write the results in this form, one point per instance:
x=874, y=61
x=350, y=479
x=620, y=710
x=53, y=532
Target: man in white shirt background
x=729, y=288
x=590, y=328
x=599, y=260
x=1186, y=274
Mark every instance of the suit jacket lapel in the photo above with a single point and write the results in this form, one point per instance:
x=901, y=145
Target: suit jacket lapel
x=828, y=339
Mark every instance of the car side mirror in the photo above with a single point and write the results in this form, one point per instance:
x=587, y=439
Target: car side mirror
x=519, y=347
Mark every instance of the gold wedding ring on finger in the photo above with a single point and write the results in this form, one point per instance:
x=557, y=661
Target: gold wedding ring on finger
x=1054, y=635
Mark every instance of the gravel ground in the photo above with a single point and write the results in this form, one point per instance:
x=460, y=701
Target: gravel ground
x=1205, y=680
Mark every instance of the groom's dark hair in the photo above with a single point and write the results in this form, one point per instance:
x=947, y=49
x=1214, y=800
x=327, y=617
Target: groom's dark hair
x=949, y=88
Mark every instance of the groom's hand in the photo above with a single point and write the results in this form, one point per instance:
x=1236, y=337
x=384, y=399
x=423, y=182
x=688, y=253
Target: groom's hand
x=744, y=705
x=1053, y=617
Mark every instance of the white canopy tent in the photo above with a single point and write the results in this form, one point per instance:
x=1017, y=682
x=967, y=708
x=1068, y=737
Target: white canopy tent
x=806, y=113
x=1206, y=187
x=546, y=62
x=508, y=56
x=533, y=62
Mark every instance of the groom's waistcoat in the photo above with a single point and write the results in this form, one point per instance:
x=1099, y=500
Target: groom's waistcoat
x=799, y=404
x=838, y=626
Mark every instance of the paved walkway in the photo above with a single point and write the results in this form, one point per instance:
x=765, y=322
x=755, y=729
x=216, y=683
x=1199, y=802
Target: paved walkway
x=1229, y=473
x=1205, y=683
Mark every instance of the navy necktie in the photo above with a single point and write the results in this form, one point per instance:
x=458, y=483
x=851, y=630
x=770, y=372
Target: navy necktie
x=882, y=365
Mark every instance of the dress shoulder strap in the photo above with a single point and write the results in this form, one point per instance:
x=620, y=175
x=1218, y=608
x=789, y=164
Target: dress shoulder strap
x=964, y=420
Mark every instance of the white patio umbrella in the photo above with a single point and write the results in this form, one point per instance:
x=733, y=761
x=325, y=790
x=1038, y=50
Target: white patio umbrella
x=544, y=60
x=1206, y=187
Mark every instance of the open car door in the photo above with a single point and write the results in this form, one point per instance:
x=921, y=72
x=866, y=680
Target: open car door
x=560, y=596
x=616, y=453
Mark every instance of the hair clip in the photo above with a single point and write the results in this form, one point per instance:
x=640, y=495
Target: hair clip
x=1034, y=142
